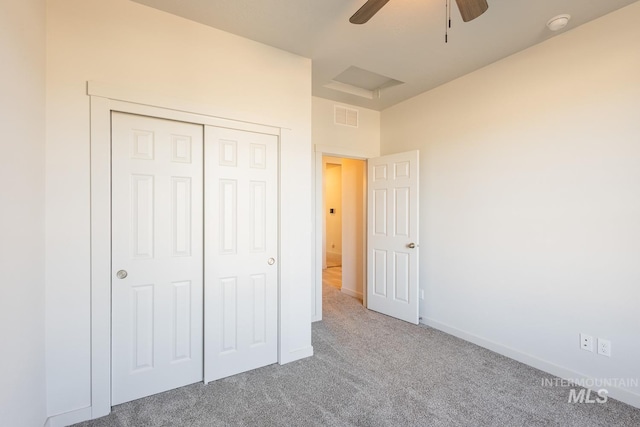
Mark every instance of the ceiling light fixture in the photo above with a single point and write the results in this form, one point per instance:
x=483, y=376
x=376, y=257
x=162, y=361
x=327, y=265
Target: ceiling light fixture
x=558, y=22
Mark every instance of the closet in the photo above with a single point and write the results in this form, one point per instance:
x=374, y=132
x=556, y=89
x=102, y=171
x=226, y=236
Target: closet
x=194, y=243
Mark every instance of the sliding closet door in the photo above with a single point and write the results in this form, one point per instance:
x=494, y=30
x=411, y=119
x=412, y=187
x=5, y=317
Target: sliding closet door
x=157, y=254
x=241, y=268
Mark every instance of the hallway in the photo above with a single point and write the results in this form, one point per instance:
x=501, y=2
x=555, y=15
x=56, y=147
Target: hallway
x=332, y=276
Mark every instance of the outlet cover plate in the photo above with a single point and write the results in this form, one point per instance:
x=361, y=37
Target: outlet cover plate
x=604, y=347
x=586, y=342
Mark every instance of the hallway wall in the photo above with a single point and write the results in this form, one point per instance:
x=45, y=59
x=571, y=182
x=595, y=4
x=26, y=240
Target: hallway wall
x=353, y=227
x=333, y=222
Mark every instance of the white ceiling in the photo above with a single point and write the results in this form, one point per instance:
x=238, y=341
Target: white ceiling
x=404, y=41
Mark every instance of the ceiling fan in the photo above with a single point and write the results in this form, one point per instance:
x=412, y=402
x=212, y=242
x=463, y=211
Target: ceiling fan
x=469, y=9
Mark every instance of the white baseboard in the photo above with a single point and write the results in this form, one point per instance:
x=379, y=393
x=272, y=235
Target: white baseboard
x=351, y=293
x=620, y=394
x=300, y=353
x=68, y=418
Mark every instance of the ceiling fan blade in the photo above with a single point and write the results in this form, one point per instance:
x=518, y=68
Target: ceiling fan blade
x=366, y=12
x=471, y=9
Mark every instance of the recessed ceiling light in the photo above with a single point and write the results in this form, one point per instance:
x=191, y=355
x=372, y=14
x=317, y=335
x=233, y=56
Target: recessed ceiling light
x=558, y=22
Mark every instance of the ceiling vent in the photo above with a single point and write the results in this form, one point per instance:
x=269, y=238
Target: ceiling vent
x=345, y=116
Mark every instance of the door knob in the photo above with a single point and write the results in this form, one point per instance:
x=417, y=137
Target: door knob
x=411, y=245
x=271, y=261
x=121, y=274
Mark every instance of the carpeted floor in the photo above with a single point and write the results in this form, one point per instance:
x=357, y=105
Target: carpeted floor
x=372, y=370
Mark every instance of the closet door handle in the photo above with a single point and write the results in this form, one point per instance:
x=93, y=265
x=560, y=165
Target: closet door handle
x=122, y=274
x=411, y=245
x=271, y=261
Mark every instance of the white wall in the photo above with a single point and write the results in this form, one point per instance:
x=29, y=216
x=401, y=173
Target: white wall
x=22, y=119
x=363, y=141
x=530, y=205
x=125, y=44
x=353, y=226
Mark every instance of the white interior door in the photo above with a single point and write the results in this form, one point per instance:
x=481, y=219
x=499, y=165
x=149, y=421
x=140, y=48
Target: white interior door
x=157, y=255
x=241, y=236
x=392, y=237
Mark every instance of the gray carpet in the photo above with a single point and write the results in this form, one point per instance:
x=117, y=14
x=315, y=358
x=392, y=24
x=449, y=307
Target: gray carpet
x=371, y=370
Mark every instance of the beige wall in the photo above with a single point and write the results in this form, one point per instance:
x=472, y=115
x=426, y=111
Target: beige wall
x=128, y=45
x=353, y=226
x=530, y=201
x=22, y=118
x=345, y=189
x=333, y=199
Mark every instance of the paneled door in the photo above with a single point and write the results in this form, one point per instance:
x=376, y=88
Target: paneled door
x=241, y=268
x=157, y=255
x=392, y=238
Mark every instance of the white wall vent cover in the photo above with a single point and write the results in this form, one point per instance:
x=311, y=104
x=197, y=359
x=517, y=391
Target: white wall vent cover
x=345, y=116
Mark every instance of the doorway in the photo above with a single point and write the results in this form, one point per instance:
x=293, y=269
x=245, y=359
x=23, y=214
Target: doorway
x=344, y=225
x=390, y=243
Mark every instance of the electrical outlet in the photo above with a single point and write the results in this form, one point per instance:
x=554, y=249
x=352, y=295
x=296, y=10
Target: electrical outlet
x=604, y=347
x=586, y=342
x=421, y=293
